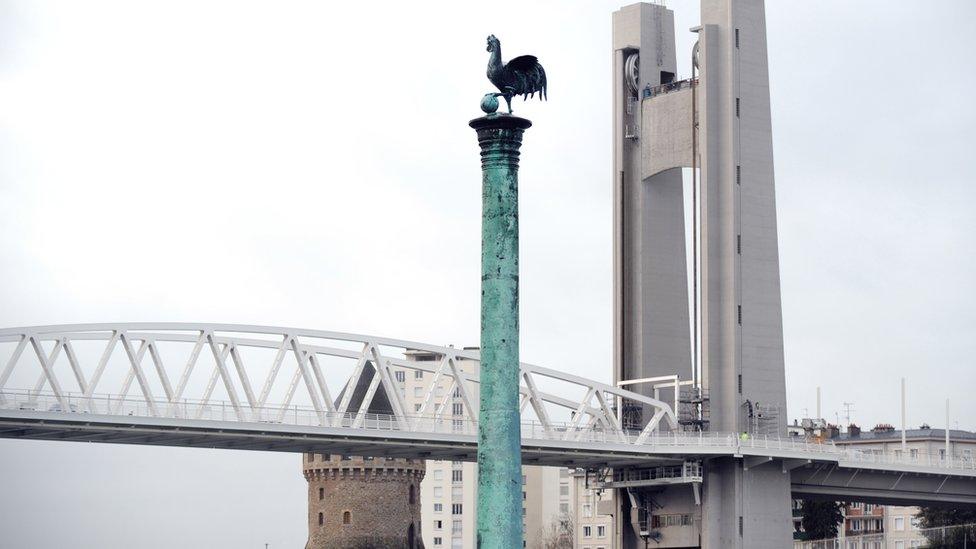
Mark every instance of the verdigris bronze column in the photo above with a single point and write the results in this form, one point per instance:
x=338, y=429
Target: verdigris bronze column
x=499, y=437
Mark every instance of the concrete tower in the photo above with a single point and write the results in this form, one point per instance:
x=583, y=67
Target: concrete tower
x=718, y=124
x=363, y=502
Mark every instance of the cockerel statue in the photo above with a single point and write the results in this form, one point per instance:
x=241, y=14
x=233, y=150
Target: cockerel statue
x=521, y=76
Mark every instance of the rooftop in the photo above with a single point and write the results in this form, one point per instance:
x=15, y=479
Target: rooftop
x=910, y=434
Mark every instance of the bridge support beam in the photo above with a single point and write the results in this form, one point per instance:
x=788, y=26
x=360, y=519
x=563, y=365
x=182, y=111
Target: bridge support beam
x=499, y=437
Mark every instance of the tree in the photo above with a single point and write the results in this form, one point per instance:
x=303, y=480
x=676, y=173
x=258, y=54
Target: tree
x=558, y=534
x=820, y=518
x=934, y=519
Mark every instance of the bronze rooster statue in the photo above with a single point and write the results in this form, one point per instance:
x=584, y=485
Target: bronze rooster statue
x=521, y=76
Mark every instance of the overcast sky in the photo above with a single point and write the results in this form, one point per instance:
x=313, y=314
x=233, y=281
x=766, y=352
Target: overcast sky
x=309, y=164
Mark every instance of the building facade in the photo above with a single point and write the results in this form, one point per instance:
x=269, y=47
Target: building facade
x=449, y=491
x=871, y=526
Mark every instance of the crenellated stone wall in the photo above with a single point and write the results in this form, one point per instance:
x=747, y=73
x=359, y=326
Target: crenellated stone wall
x=358, y=502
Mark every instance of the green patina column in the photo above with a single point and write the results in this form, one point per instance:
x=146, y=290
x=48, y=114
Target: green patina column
x=499, y=438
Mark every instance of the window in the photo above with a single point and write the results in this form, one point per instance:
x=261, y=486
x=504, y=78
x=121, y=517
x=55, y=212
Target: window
x=563, y=490
x=587, y=531
x=456, y=509
x=913, y=453
x=401, y=376
x=416, y=407
x=737, y=107
x=899, y=544
x=457, y=492
x=438, y=524
x=564, y=508
x=740, y=384
x=601, y=531
x=942, y=454
x=438, y=491
x=321, y=519
x=523, y=480
x=738, y=174
x=438, y=507
x=412, y=494
x=737, y=38
x=346, y=517
x=418, y=374
x=438, y=474
x=456, y=526
x=523, y=496
x=457, y=476
x=418, y=392
x=321, y=493
x=438, y=541
x=457, y=408
x=738, y=244
x=587, y=510
x=739, y=313
x=457, y=392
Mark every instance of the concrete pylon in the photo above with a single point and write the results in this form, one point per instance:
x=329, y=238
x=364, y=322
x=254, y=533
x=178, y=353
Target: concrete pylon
x=718, y=124
x=499, y=437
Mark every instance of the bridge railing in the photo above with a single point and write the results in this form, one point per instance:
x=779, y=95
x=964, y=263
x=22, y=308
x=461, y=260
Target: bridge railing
x=223, y=411
x=340, y=375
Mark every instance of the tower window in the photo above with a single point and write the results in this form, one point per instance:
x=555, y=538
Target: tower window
x=739, y=313
x=412, y=495
x=740, y=525
x=321, y=519
x=321, y=493
x=346, y=517
x=740, y=384
x=737, y=107
x=738, y=244
x=737, y=38
x=738, y=168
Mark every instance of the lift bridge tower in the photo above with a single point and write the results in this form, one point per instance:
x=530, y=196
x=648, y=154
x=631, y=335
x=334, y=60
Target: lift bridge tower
x=727, y=345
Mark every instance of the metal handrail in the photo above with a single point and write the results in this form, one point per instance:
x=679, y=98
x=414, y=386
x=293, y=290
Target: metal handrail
x=216, y=410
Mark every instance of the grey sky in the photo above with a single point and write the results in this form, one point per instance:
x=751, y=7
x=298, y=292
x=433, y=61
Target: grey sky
x=309, y=164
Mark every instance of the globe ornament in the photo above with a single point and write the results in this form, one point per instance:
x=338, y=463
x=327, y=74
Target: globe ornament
x=489, y=103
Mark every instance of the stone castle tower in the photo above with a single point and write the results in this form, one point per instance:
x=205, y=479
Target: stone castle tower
x=363, y=502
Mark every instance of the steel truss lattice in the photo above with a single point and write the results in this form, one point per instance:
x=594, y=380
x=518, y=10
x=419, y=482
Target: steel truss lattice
x=76, y=382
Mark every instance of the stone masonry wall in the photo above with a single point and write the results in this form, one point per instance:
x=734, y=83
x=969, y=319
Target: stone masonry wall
x=362, y=503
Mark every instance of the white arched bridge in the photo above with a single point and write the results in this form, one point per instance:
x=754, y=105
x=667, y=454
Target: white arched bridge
x=293, y=390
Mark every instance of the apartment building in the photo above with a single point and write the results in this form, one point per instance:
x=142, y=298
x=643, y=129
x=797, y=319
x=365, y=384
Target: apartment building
x=592, y=520
x=449, y=491
x=867, y=526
